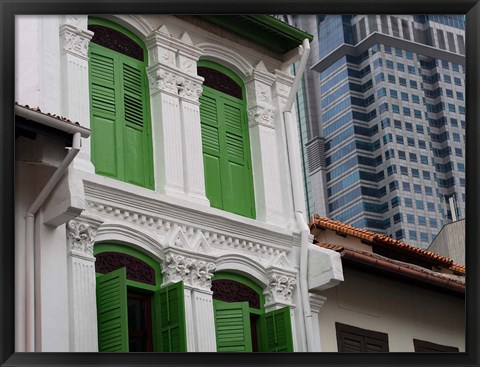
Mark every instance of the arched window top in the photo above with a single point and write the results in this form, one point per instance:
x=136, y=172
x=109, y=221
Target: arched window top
x=229, y=287
x=116, y=38
x=220, y=78
x=137, y=270
x=139, y=266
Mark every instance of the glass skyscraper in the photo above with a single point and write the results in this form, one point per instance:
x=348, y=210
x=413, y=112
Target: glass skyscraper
x=382, y=122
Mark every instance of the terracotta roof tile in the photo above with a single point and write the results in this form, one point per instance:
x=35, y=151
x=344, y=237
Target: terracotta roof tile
x=330, y=246
x=399, y=267
x=60, y=118
x=383, y=240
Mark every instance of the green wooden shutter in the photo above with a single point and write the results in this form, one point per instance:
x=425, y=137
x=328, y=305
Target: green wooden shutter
x=278, y=331
x=120, y=122
x=211, y=149
x=170, y=325
x=103, y=112
x=232, y=326
x=226, y=153
x=112, y=312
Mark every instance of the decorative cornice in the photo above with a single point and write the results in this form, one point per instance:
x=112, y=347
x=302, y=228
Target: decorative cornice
x=75, y=40
x=81, y=237
x=220, y=231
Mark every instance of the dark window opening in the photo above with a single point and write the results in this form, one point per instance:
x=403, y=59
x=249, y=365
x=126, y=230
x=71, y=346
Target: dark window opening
x=139, y=322
x=253, y=329
x=423, y=346
x=352, y=339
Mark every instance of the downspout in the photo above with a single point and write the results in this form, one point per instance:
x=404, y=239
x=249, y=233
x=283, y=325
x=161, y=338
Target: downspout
x=32, y=272
x=298, y=196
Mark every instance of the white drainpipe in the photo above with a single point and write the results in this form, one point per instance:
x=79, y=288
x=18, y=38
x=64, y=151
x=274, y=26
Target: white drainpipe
x=298, y=196
x=26, y=333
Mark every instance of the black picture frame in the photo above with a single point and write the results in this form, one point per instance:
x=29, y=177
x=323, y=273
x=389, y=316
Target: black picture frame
x=8, y=10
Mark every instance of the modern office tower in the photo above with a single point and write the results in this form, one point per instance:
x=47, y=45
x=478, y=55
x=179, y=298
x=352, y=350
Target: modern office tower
x=384, y=121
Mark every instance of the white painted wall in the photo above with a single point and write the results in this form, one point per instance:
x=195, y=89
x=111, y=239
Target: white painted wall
x=403, y=311
x=48, y=62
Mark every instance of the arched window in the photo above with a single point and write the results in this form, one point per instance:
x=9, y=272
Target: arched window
x=225, y=140
x=119, y=105
x=241, y=323
x=134, y=314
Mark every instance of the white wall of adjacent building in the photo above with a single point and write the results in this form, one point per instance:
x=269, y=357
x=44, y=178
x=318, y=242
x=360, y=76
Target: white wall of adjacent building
x=403, y=311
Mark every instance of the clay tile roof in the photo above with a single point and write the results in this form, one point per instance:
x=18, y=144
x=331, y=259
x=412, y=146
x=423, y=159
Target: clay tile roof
x=449, y=281
x=330, y=246
x=383, y=240
x=60, y=118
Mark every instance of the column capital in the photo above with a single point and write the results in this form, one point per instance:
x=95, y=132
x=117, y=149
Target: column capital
x=195, y=271
x=81, y=234
x=175, y=82
x=74, y=40
x=280, y=288
x=188, y=261
x=259, y=97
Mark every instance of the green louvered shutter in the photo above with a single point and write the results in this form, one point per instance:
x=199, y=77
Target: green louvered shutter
x=170, y=319
x=238, y=175
x=121, y=139
x=278, y=331
x=103, y=111
x=232, y=327
x=112, y=312
x=226, y=153
x=211, y=149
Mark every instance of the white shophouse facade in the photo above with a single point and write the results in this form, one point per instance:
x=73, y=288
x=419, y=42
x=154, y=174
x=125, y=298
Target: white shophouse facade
x=172, y=222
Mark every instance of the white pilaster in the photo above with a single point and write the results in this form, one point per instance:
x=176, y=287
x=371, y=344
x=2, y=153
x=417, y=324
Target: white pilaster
x=280, y=92
x=316, y=303
x=261, y=114
x=165, y=107
x=204, y=320
x=190, y=90
x=82, y=285
x=192, y=263
x=75, y=101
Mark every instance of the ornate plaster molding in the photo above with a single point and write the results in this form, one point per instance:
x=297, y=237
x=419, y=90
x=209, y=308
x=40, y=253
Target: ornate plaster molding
x=261, y=115
x=75, y=40
x=280, y=289
x=194, y=272
x=216, y=239
x=81, y=237
x=190, y=90
x=168, y=79
x=282, y=85
x=164, y=80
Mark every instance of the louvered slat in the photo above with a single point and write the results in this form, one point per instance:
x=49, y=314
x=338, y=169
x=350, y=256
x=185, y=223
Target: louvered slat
x=232, y=325
x=133, y=102
x=171, y=314
x=112, y=312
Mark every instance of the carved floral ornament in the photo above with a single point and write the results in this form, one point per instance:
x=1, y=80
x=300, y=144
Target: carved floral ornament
x=81, y=237
x=168, y=81
x=280, y=289
x=193, y=272
x=261, y=115
x=75, y=40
